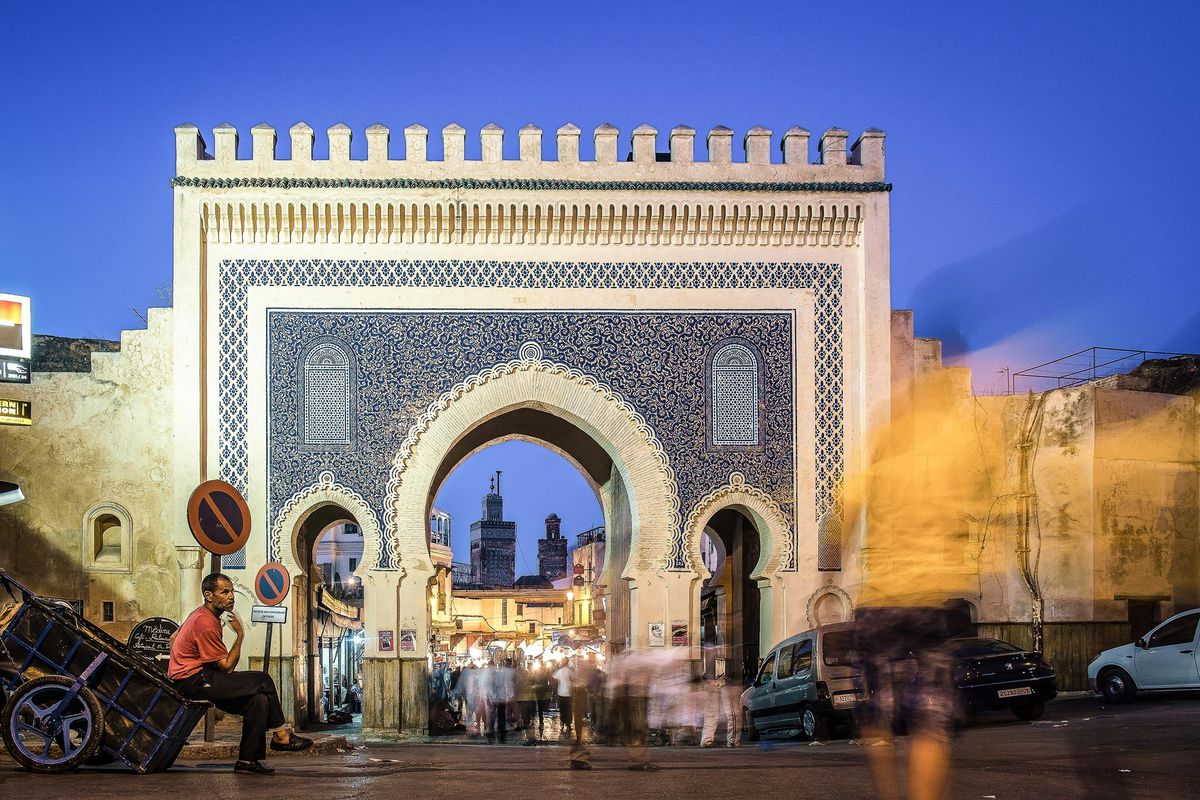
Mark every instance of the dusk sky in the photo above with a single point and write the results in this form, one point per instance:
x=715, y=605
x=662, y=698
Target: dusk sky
x=1042, y=154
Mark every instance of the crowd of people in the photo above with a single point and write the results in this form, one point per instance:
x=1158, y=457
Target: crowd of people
x=633, y=699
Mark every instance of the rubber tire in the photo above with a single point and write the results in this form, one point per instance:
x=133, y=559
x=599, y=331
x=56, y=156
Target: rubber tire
x=91, y=706
x=1116, y=685
x=813, y=726
x=1029, y=711
x=749, y=732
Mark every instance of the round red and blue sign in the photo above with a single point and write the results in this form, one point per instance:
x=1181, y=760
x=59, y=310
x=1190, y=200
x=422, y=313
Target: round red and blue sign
x=272, y=584
x=219, y=518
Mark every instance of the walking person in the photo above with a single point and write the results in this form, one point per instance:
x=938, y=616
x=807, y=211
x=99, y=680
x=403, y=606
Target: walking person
x=721, y=705
x=562, y=689
x=501, y=689
x=543, y=693
x=526, y=702
x=202, y=668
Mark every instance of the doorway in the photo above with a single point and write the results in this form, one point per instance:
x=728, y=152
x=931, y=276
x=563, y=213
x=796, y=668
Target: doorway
x=729, y=599
x=331, y=644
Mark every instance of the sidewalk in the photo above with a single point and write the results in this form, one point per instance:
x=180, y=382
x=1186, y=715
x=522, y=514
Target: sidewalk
x=224, y=747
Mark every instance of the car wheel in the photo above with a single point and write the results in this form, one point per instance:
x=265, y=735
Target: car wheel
x=1029, y=711
x=750, y=733
x=812, y=724
x=1116, y=685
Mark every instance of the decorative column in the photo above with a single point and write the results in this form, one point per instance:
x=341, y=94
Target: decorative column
x=190, y=558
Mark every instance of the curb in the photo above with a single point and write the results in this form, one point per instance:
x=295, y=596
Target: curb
x=227, y=751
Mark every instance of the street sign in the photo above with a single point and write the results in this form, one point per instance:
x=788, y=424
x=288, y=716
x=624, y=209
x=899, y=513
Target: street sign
x=219, y=517
x=151, y=639
x=272, y=583
x=14, y=370
x=15, y=412
x=274, y=615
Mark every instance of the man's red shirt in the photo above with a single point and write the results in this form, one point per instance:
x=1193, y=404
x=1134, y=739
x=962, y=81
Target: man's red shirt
x=198, y=643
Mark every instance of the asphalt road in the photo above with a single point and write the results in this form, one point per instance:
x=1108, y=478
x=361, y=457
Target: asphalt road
x=1081, y=749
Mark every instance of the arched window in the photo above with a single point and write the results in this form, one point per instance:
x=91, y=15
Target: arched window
x=327, y=397
x=733, y=384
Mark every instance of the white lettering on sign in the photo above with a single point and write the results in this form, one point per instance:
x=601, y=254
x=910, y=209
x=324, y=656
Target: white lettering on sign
x=272, y=614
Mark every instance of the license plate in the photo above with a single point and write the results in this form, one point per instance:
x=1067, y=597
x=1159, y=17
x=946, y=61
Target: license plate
x=1017, y=692
x=843, y=699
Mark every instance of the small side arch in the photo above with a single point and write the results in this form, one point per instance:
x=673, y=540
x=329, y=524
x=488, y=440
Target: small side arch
x=326, y=491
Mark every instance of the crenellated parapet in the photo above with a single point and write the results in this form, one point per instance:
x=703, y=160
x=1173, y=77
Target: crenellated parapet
x=647, y=161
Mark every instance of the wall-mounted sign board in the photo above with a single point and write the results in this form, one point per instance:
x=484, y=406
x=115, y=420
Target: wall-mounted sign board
x=15, y=412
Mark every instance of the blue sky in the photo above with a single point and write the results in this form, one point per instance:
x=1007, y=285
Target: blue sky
x=1041, y=152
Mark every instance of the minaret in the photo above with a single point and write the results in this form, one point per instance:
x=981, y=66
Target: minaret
x=493, y=541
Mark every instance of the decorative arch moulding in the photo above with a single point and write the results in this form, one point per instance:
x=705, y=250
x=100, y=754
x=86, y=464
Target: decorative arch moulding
x=309, y=220
x=530, y=359
x=378, y=550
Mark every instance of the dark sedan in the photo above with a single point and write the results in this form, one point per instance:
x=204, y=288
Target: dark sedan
x=991, y=674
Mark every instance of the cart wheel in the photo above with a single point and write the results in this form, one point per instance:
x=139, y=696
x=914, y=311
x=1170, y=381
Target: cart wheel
x=43, y=737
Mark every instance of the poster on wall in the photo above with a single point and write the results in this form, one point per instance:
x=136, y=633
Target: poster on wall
x=386, y=645
x=679, y=633
x=658, y=636
x=408, y=640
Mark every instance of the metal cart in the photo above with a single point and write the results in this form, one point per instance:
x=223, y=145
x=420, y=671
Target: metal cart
x=75, y=694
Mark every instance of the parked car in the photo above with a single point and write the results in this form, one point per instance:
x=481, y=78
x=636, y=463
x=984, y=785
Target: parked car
x=993, y=674
x=1166, y=658
x=806, y=682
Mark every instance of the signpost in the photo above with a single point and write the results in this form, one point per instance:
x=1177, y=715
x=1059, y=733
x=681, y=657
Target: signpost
x=151, y=639
x=271, y=585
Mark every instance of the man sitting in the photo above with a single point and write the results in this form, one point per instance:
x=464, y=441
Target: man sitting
x=202, y=669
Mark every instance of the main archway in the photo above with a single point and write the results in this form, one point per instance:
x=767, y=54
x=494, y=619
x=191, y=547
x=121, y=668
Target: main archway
x=573, y=413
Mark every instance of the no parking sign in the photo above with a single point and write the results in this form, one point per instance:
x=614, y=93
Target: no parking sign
x=272, y=584
x=219, y=517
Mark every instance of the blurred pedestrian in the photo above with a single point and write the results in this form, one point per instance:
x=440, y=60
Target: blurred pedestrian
x=502, y=690
x=562, y=689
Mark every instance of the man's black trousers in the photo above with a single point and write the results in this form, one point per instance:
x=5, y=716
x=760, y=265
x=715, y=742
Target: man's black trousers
x=251, y=695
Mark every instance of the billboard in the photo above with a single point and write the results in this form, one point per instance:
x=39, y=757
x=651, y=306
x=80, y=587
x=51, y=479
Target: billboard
x=16, y=339
x=16, y=332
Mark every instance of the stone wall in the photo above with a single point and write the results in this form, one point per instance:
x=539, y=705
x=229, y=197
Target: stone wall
x=99, y=452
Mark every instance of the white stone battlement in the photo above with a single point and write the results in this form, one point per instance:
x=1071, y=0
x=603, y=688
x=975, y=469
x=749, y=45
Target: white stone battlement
x=669, y=160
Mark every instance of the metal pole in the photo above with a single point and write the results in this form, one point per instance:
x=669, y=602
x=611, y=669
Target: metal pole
x=267, y=650
x=210, y=716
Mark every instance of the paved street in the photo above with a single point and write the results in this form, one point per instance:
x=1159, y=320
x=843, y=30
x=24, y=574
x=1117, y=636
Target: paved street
x=1080, y=750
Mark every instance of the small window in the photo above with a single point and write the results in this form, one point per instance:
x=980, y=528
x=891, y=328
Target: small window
x=1179, y=631
x=353, y=564
x=734, y=396
x=107, y=538
x=108, y=611
x=503, y=612
x=784, y=670
x=838, y=647
x=327, y=396
x=768, y=669
x=520, y=609
x=802, y=653
x=533, y=627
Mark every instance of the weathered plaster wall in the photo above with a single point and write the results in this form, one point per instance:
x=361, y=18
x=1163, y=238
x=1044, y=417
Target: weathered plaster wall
x=1146, y=495
x=98, y=437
